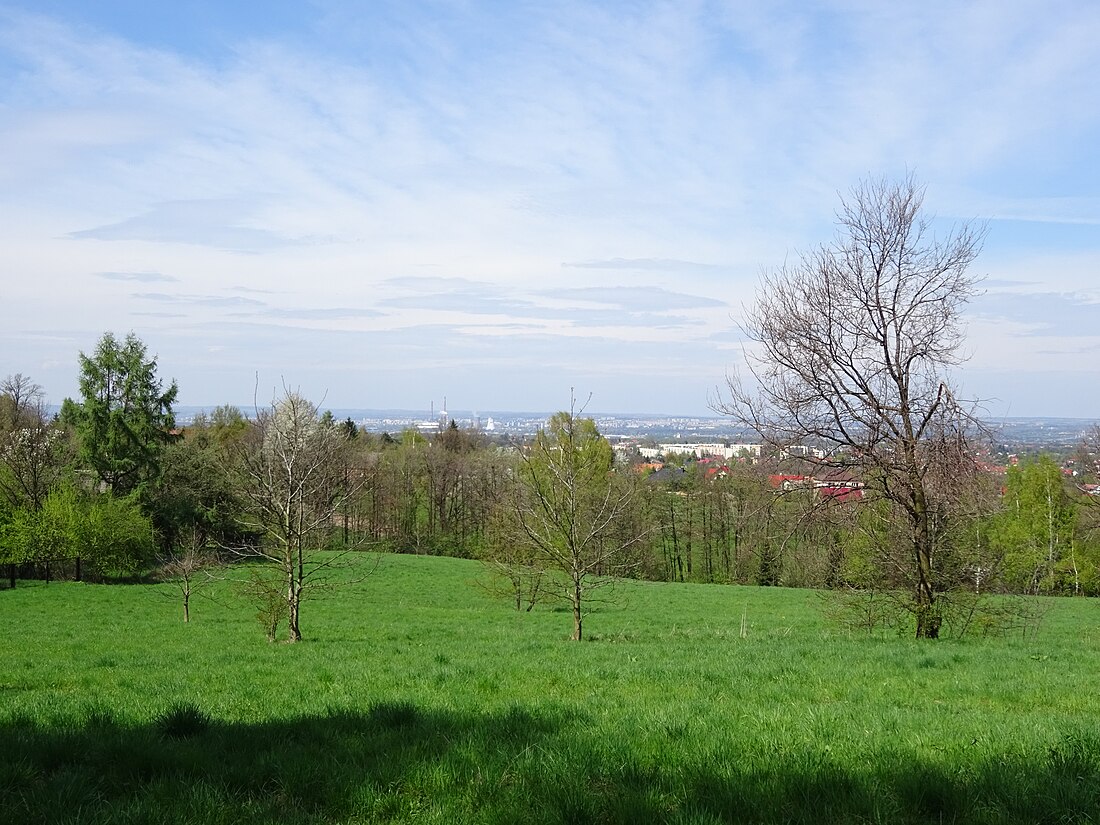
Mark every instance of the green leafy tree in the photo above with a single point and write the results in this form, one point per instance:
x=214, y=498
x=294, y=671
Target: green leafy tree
x=115, y=535
x=107, y=536
x=194, y=499
x=220, y=428
x=515, y=569
x=575, y=514
x=1035, y=530
x=49, y=533
x=124, y=419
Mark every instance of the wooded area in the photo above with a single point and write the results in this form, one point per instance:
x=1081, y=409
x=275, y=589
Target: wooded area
x=287, y=491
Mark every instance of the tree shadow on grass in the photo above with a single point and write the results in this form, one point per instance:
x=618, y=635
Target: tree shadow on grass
x=399, y=763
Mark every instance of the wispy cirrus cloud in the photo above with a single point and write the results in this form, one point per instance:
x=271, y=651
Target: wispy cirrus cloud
x=1005, y=283
x=575, y=316
x=253, y=290
x=142, y=277
x=211, y=301
x=221, y=224
x=632, y=298
x=255, y=308
x=622, y=306
x=644, y=264
x=1042, y=314
x=472, y=302
x=320, y=313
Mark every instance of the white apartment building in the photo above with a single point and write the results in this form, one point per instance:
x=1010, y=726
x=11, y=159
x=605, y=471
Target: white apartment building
x=716, y=450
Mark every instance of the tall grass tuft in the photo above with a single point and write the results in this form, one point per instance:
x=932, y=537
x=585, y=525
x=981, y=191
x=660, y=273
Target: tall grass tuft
x=182, y=721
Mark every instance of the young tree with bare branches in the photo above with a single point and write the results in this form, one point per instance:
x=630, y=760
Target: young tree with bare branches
x=851, y=348
x=574, y=512
x=188, y=570
x=294, y=484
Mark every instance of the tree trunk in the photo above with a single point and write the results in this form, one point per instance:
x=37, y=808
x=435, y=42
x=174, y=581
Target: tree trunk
x=346, y=489
x=928, y=618
x=11, y=574
x=677, y=561
x=576, y=610
x=293, y=603
x=689, y=531
x=294, y=635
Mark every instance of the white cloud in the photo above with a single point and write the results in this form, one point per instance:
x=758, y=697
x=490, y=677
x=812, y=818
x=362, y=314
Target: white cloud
x=142, y=277
x=416, y=166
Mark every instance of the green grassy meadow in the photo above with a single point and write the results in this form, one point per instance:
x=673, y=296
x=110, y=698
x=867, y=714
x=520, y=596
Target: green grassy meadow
x=417, y=697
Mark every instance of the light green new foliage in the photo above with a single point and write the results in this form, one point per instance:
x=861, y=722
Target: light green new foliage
x=110, y=535
x=1035, y=530
x=419, y=698
x=573, y=513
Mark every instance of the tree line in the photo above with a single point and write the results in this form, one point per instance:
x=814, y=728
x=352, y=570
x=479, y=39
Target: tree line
x=854, y=345
x=112, y=489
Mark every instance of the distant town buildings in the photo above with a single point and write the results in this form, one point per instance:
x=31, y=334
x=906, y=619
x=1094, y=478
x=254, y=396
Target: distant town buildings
x=800, y=451
x=704, y=450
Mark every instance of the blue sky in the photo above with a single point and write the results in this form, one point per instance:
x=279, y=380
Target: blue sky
x=383, y=204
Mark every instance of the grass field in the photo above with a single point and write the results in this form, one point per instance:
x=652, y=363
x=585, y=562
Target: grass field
x=418, y=698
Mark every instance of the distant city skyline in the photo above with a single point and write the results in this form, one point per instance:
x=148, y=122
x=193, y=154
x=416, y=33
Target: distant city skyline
x=384, y=204
x=1045, y=432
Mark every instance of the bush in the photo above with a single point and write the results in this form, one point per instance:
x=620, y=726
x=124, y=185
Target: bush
x=111, y=535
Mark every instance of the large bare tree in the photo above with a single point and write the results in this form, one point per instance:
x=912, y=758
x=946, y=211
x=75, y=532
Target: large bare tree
x=852, y=346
